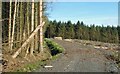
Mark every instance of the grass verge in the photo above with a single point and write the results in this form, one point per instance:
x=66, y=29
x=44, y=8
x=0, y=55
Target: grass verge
x=54, y=47
x=55, y=50
x=31, y=67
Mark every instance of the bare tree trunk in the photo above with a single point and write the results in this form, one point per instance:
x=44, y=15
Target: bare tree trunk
x=21, y=23
x=1, y=35
x=28, y=28
x=28, y=19
x=32, y=28
x=36, y=24
x=41, y=31
x=10, y=23
x=24, y=30
x=27, y=41
x=24, y=24
x=13, y=28
x=18, y=25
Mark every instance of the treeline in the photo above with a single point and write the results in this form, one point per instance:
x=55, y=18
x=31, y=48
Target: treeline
x=81, y=31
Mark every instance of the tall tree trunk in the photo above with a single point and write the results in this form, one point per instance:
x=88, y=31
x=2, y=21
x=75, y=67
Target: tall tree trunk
x=41, y=31
x=18, y=25
x=24, y=27
x=1, y=23
x=36, y=24
x=1, y=36
x=25, y=24
x=28, y=19
x=32, y=28
x=10, y=11
x=28, y=27
x=13, y=28
x=21, y=23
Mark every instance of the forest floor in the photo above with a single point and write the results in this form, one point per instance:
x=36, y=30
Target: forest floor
x=20, y=64
x=83, y=56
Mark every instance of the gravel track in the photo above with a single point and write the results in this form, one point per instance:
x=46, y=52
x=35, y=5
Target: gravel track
x=78, y=58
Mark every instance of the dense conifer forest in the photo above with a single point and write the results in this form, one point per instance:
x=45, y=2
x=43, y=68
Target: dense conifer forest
x=82, y=31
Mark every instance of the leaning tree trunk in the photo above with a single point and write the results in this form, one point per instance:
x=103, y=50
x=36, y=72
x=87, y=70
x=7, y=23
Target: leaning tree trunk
x=13, y=27
x=28, y=40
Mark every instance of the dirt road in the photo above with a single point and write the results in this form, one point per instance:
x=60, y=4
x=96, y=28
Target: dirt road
x=79, y=58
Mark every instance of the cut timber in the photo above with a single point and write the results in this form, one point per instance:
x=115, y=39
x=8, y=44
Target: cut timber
x=69, y=40
x=27, y=41
x=58, y=38
x=48, y=66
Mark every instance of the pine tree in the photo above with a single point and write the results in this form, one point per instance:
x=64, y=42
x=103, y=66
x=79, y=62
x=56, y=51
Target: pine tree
x=69, y=30
x=77, y=30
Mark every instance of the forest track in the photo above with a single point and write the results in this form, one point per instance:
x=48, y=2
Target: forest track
x=80, y=58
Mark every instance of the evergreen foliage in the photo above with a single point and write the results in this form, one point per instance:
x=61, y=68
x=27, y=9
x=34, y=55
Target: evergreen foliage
x=79, y=30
